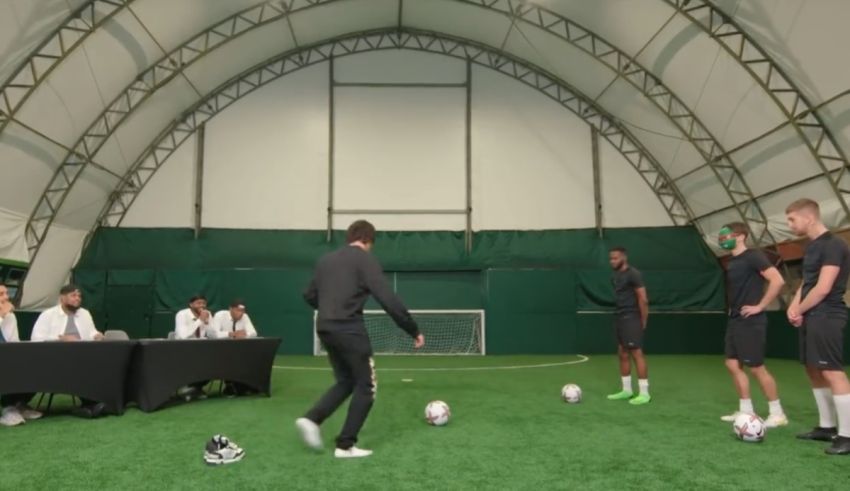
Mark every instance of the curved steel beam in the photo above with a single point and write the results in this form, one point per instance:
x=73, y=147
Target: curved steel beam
x=726, y=171
x=677, y=112
x=143, y=86
x=55, y=47
x=174, y=134
x=799, y=112
x=173, y=63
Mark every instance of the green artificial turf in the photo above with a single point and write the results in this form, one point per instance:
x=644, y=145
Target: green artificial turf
x=509, y=430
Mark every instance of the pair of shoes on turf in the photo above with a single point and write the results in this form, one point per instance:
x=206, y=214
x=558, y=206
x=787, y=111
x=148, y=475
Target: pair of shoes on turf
x=221, y=450
x=313, y=439
x=840, y=444
x=772, y=421
x=634, y=400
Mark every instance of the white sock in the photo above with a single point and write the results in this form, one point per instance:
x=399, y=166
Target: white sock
x=627, y=383
x=644, y=386
x=842, y=407
x=826, y=407
x=746, y=406
x=775, y=408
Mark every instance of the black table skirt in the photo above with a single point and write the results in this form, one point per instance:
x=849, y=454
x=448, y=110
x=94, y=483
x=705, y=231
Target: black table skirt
x=148, y=372
x=93, y=370
x=160, y=367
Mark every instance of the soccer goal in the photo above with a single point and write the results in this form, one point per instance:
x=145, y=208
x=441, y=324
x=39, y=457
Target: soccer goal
x=447, y=332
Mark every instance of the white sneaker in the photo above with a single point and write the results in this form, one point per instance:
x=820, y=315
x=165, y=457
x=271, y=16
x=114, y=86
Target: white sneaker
x=11, y=417
x=351, y=453
x=220, y=450
x=730, y=418
x=29, y=413
x=309, y=433
x=776, y=420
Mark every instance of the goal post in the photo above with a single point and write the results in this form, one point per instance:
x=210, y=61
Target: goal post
x=447, y=332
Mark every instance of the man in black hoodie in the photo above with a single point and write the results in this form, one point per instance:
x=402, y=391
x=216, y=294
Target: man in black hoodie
x=341, y=285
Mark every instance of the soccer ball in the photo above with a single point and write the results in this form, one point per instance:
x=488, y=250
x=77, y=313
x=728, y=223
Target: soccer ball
x=437, y=413
x=571, y=393
x=749, y=428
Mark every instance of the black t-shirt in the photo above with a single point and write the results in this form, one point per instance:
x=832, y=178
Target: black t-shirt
x=827, y=250
x=625, y=283
x=744, y=282
x=342, y=283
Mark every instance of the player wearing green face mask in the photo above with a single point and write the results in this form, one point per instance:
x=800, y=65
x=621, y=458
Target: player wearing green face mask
x=746, y=331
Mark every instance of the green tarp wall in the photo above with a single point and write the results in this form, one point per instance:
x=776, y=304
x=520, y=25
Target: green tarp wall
x=532, y=285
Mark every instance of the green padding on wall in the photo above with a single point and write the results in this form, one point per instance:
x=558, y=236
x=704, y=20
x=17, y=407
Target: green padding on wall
x=161, y=324
x=530, y=283
x=130, y=277
x=666, y=333
x=663, y=248
x=174, y=288
x=277, y=289
x=667, y=290
x=129, y=308
x=530, y=333
x=530, y=311
x=459, y=290
x=531, y=290
x=131, y=248
x=93, y=286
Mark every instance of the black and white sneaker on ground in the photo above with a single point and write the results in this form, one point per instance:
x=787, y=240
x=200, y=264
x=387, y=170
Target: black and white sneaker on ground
x=220, y=450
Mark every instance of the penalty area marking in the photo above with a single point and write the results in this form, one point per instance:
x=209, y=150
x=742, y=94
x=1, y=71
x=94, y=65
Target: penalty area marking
x=581, y=359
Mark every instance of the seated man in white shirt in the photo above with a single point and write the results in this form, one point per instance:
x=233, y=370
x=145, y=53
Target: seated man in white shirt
x=233, y=323
x=193, y=323
x=16, y=409
x=69, y=321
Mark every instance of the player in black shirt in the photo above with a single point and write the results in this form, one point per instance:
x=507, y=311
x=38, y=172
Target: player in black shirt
x=746, y=330
x=343, y=281
x=632, y=311
x=818, y=310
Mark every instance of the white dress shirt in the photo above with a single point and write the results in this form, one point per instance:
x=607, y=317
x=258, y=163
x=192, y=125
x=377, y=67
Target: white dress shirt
x=223, y=324
x=52, y=322
x=186, y=325
x=9, y=328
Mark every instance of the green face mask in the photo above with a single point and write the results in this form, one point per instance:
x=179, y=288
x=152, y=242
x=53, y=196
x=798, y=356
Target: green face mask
x=724, y=239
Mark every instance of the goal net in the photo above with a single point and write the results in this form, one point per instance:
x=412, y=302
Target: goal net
x=447, y=332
